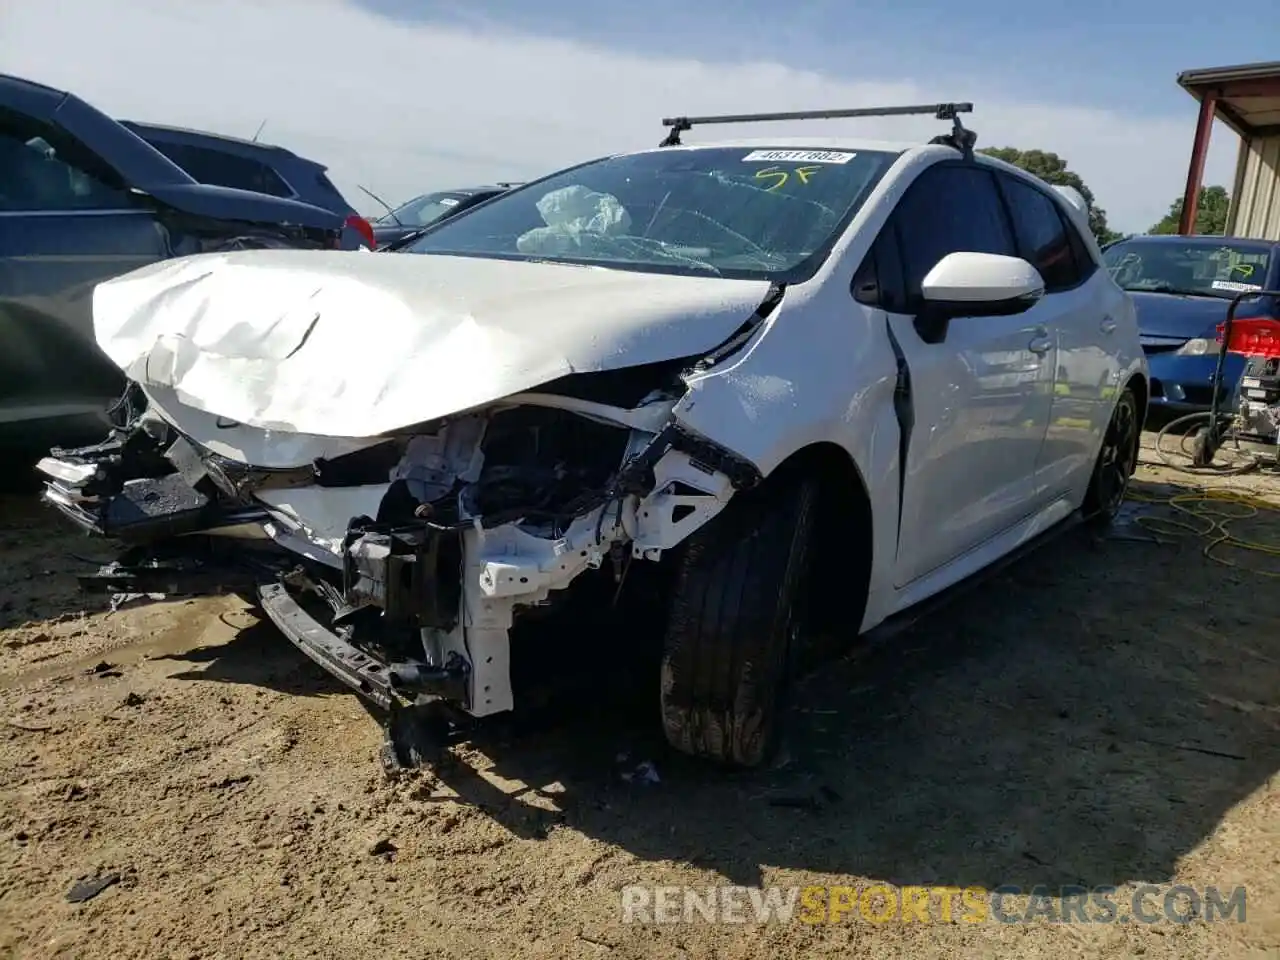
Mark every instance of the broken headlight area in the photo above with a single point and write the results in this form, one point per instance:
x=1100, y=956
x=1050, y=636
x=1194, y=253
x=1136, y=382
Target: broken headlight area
x=402, y=567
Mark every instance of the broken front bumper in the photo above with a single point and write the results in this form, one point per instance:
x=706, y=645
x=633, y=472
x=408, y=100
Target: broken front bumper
x=179, y=541
x=413, y=607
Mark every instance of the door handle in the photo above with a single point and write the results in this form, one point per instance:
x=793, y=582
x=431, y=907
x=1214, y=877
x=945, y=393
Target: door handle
x=1107, y=326
x=1040, y=345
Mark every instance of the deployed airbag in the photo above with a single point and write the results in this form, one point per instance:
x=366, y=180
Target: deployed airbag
x=574, y=216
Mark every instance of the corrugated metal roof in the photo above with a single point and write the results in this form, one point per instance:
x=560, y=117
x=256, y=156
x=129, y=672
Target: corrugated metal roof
x=1212, y=76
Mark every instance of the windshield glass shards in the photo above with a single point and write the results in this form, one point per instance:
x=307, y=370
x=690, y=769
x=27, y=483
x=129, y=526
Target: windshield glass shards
x=1191, y=269
x=740, y=213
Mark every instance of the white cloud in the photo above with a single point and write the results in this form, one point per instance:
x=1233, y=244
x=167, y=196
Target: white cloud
x=404, y=107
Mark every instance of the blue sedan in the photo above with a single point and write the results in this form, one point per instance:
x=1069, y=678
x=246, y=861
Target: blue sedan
x=1181, y=287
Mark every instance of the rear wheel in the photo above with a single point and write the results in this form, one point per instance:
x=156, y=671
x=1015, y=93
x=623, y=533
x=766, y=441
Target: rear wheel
x=1117, y=460
x=737, y=624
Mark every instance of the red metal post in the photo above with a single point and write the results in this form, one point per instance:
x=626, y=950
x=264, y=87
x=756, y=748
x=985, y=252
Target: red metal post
x=1195, y=172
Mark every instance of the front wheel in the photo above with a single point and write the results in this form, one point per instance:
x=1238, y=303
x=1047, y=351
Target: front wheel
x=737, y=624
x=1116, y=463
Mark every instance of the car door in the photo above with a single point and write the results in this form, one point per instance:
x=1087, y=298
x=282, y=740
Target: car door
x=1075, y=312
x=979, y=396
x=66, y=223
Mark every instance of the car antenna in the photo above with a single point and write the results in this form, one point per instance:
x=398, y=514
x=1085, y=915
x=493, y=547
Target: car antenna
x=259, y=133
x=959, y=137
x=391, y=213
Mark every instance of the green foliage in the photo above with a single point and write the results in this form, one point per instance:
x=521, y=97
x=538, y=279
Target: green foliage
x=1211, y=213
x=1052, y=169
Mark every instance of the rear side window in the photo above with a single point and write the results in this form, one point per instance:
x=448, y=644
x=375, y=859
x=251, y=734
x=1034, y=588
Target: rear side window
x=225, y=169
x=1042, y=235
x=949, y=209
x=329, y=190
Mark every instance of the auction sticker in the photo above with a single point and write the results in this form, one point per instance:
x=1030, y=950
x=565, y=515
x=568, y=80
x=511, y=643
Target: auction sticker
x=1234, y=286
x=798, y=156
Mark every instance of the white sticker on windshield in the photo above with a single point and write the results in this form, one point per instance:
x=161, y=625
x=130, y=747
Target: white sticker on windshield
x=1234, y=286
x=448, y=202
x=799, y=156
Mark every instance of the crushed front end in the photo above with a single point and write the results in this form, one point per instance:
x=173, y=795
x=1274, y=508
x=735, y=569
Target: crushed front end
x=399, y=562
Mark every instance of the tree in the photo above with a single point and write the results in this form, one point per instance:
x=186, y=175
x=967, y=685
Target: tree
x=1211, y=213
x=1051, y=168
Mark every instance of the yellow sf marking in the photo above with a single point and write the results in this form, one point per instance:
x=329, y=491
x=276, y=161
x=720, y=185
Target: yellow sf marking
x=779, y=177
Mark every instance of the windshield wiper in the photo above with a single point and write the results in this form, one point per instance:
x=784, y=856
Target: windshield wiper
x=1170, y=289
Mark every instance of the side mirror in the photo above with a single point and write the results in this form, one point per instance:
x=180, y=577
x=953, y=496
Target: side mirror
x=982, y=284
x=966, y=284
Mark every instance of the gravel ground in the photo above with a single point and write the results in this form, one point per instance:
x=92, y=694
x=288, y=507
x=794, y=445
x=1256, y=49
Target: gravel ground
x=1103, y=713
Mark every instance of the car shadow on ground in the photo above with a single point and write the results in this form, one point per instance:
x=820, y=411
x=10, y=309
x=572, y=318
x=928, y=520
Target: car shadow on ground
x=1086, y=717
x=40, y=549
x=256, y=655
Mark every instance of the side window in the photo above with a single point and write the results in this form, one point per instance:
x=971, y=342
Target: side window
x=1085, y=263
x=1042, y=234
x=225, y=169
x=41, y=169
x=879, y=278
x=949, y=209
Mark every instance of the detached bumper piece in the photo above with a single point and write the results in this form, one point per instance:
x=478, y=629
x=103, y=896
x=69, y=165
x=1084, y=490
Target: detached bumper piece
x=421, y=704
x=392, y=685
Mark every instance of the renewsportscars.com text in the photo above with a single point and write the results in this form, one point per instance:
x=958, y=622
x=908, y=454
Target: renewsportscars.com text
x=880, y=903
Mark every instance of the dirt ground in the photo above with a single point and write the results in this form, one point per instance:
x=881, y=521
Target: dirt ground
x=1105, y=712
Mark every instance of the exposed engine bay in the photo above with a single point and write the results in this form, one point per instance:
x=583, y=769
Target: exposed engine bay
x=400, y=562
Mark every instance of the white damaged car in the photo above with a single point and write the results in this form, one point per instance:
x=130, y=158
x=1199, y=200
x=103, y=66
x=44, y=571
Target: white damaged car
x=781, y=392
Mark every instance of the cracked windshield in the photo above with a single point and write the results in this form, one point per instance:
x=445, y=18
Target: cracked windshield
x=743, y=213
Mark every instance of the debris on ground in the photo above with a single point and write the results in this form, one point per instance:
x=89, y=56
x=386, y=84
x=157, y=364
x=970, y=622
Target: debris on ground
x=86, y=888
x=643, y=772
x=120, y=601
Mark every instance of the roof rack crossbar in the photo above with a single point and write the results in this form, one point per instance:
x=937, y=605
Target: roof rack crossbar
x=940, y=111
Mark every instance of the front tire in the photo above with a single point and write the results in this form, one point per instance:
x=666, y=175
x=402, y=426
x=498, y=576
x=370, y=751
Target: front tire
x=736, y=623
x=1116, y=463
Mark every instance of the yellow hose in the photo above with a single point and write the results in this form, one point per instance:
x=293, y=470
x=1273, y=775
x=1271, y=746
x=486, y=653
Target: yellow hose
x=1212, y=511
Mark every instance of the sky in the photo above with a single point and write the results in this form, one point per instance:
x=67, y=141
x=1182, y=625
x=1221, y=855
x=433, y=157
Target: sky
x=408, y=96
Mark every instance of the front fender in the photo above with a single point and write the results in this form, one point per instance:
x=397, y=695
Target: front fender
x=822, y=371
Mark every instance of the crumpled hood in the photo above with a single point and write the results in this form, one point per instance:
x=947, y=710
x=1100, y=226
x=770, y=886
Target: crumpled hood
x=345, y=344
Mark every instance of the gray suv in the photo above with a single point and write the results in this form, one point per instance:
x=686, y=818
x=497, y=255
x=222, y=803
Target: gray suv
x=83, y=199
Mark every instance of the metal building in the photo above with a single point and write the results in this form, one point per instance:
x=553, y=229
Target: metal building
x=1246, y=99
